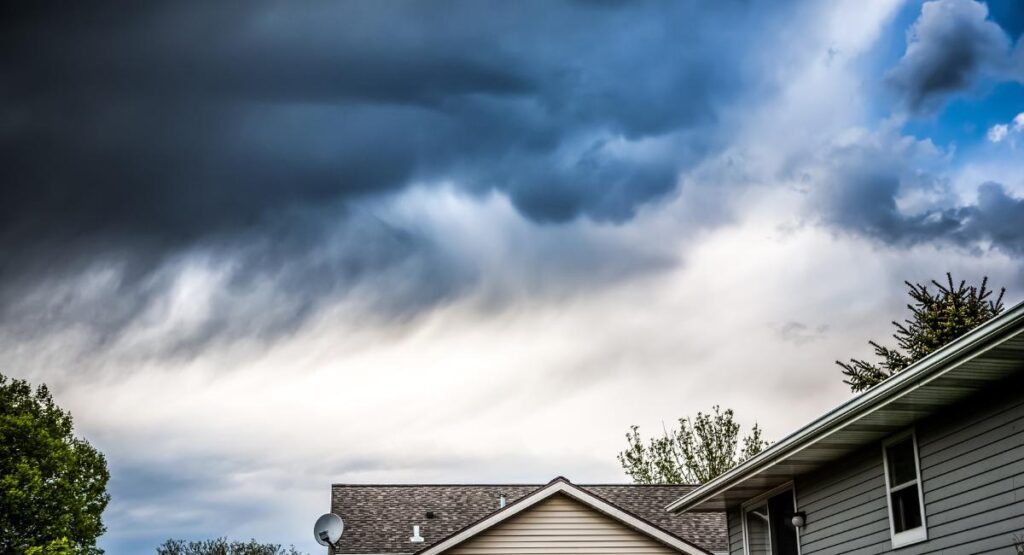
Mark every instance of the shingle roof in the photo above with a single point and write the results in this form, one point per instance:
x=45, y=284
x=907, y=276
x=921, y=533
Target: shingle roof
x=379, y=518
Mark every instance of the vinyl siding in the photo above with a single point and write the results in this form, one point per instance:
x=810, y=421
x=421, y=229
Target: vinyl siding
x=846, y=507
x=972, y=469
x=560, y=525
x=735, y=532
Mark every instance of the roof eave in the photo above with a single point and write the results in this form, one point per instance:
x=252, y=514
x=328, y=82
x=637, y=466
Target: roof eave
x=934, y=365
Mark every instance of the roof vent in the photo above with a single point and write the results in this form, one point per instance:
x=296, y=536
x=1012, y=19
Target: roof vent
x=430, y=514
x=501, y=501
x=416, y=537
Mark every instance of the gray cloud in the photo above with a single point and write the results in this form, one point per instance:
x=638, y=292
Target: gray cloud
x=950, y=44
x=997, y=217
x=134, y=137
x=861, y=188
x=799, y=333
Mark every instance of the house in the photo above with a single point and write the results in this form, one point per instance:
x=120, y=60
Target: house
x=557, y=517
x=929, y=461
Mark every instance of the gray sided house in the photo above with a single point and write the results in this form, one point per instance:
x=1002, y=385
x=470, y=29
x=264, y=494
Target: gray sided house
x=554, y=518
x=929, y=461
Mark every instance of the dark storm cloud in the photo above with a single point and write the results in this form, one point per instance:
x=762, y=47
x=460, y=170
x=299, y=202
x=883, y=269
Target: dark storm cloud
x=863, y=200
x=182, y=119
x=997, y=217
x=950, y=44
x=861, y=190
x=131, y=134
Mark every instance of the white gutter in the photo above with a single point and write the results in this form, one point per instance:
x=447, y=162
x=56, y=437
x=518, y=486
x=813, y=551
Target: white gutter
x=917, y=374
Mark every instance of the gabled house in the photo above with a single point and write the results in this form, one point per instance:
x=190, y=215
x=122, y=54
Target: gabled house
x=929, y=461
x=554, y=518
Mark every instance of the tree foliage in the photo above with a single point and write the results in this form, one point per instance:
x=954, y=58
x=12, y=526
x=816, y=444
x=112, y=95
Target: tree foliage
x=62, y=546
x=52, y=484
x=221, y=546
x=936, y=318
x=698, y=451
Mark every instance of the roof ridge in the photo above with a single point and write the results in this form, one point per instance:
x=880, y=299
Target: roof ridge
x=517, y=484
x=562, y=486
x=480, y=484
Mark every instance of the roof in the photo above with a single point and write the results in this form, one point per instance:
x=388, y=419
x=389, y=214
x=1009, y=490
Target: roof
x=976, y=361
x=561, y=486
x=379, y=518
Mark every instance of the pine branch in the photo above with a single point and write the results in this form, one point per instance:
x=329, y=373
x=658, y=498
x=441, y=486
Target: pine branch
x=935, y=320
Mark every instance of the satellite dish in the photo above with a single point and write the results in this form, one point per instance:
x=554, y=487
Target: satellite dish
x=328, y=529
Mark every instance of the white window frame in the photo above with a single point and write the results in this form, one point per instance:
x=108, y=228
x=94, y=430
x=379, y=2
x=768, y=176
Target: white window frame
x=914, y=535
x=764, y=497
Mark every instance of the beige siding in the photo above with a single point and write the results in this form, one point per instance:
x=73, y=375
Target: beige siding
x=559, y=525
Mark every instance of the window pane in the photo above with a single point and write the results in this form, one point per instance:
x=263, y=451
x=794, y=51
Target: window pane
x=757, y=531
x=906, y=509
x=902, y=468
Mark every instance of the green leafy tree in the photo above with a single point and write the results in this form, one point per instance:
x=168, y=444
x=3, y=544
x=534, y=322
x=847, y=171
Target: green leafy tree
x=936, y=318
x=698, y=451
x=62, y=546
x=52, y=484
x=221, y=546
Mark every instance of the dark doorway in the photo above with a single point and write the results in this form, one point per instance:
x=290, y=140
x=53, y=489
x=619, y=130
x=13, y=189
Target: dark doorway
x=769, y=526
x=780, y=512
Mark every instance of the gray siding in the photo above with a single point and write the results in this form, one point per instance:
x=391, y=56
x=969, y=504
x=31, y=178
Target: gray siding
x=735, y=531
x=846, y=507
x=972, y=468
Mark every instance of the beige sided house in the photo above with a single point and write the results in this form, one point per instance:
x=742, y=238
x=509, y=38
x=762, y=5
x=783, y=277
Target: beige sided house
x=555, y=518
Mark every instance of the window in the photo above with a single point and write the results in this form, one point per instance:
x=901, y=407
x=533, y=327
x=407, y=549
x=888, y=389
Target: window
x=903, y=489
x=767, y=524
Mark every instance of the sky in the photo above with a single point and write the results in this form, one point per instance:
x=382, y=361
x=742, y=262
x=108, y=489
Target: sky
x=257, y=248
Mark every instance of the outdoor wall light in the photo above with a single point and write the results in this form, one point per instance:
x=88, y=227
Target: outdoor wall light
x=799, y=519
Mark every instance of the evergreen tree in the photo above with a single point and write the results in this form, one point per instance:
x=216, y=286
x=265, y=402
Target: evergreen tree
x=700, y=450
x=936, y=318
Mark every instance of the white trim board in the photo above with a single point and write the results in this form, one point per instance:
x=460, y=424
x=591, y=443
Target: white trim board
x=563, y=486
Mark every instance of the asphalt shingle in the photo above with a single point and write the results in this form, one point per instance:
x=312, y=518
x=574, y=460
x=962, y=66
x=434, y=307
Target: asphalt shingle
x=379, y=518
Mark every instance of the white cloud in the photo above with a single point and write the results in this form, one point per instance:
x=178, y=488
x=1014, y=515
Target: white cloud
x=1001, y=131
x=998, y=132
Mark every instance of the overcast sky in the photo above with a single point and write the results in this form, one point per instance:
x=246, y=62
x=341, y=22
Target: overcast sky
x=260, y=247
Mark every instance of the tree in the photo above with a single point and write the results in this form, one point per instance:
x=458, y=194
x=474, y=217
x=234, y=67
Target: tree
x=935, y=320
x=52, y=484
x=221, y=546
x=700, y=450
x=62, y=546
